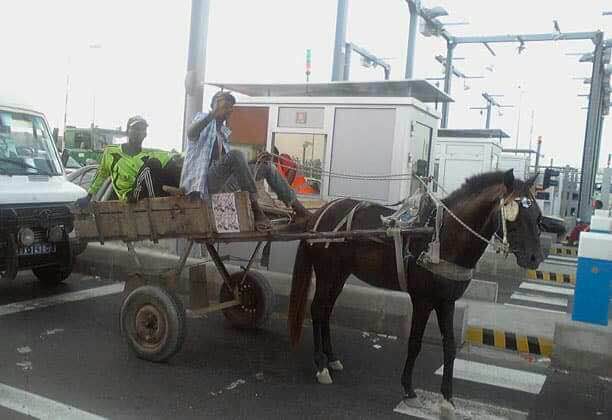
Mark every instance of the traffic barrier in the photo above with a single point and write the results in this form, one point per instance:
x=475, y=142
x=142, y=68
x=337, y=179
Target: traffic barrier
x=563, y=278
x=564, y=251
x=506, y=340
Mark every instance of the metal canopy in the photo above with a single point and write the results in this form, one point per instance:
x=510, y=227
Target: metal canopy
x=420, y=90
x=473, y=133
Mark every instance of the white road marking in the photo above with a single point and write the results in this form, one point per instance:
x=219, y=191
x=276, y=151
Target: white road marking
x=518, y=380
x=534, y=308
x=547, y=288
x=429, y=408
x=40, y=407
x=549, y=300
x=30, y=305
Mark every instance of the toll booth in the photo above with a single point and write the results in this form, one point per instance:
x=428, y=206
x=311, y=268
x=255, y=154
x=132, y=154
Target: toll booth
x=593, y=293
x=336, y=130
x=461, y=153
x=519, y=160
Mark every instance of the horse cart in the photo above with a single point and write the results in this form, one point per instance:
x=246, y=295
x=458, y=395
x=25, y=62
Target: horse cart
x=153, y=313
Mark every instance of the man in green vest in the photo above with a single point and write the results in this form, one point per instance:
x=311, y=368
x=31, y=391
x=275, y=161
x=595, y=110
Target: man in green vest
x=135, y=173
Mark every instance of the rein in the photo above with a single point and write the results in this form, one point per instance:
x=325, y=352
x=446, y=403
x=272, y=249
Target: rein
x=440, y=205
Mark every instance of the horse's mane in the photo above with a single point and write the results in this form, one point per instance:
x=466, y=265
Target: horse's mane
x=476, y=184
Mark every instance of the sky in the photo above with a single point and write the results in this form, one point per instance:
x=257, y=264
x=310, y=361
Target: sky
x=129, y=57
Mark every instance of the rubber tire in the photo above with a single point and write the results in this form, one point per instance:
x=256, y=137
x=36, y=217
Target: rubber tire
x=166, y=302
x=264, y=295
x=52, y=275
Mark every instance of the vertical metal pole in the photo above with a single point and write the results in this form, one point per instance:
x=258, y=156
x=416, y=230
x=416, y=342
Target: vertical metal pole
x=597, y=146
x=605, y=186
x=196, y=63
x=340, y=40
x=537, y=161
x=448, y=75
x=195, y=78
x=488, y=123
x=413, y=6
x=66, y=103
x=348, y=50
x=590, y=137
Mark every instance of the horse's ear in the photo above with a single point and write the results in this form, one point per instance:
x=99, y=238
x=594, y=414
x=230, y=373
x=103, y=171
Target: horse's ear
x=509, y=180
x=531, y=181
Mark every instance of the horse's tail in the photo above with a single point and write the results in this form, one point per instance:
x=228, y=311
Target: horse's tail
x=298, y=298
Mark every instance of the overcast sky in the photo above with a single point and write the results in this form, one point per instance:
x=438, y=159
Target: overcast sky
x=139, y=65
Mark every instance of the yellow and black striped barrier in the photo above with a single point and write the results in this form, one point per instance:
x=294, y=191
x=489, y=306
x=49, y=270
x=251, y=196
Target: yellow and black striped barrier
x=564, y=251
x=563, y=278
x=505, y=340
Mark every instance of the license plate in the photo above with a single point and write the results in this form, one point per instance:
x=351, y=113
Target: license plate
x=36, y=249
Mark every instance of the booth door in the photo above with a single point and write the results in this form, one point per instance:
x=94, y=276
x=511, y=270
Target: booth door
x=420, y=153
x=362, y=145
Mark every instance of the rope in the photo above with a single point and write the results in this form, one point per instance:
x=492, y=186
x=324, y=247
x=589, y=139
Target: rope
x=439, y=202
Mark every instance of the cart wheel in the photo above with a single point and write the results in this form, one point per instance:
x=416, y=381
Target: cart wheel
x=257, y=300
x=153, y=319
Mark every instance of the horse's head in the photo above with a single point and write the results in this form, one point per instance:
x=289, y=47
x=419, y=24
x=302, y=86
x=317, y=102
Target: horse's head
x=521, y=215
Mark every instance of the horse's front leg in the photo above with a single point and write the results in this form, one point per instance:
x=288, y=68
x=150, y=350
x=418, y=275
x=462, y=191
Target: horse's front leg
x=420, y=315
x=446, y=312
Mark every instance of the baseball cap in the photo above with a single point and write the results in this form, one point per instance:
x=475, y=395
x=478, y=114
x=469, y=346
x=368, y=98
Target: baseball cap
x=137, y=119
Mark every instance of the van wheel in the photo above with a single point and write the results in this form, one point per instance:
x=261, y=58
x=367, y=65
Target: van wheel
x=52, y=275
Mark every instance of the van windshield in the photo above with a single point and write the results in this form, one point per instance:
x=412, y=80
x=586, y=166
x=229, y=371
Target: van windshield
x=26, y=147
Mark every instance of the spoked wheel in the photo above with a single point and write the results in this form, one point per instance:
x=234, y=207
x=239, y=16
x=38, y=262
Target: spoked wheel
x=256, y=300
x=153, y=320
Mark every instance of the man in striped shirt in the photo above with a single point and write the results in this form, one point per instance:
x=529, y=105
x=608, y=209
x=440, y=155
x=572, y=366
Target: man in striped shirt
x=211, y=167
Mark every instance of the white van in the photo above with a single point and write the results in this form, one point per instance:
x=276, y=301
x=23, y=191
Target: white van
x=36, y=226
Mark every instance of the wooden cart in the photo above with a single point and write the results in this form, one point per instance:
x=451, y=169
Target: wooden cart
x=153, y=312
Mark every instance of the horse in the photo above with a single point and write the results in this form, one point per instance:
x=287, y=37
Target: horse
x=480, y=203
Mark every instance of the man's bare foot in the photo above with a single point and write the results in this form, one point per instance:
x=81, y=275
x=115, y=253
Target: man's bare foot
x=262, y=223
x=302, y=215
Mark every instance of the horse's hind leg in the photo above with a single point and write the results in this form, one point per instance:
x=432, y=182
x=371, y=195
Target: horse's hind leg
x=317, y=309
x=420, y=315
x=446, y=311
x=333, y=362
x=329, y=286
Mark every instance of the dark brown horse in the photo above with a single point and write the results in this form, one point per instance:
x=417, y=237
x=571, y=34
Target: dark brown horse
x=478, y=203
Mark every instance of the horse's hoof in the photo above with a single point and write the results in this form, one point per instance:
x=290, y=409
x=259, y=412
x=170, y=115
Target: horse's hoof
x=336, y=365
x=410, y=394
x=323, y=377
x=413, y=402
x=447, y=410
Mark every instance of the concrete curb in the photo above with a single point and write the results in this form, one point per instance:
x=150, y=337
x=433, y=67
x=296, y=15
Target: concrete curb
x=365, y=308
x=584, y=347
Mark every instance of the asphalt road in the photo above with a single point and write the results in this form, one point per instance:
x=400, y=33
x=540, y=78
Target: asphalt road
x=73, y=355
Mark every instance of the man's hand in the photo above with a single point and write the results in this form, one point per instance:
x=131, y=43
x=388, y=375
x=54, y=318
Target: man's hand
x=83, y=202
x=264, y=155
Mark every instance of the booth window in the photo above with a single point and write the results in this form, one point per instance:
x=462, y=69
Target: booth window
x=302, y=160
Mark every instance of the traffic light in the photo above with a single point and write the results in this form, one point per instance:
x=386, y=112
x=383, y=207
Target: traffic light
x=550, y=178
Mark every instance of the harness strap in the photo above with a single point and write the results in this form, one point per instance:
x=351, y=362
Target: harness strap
x=329, y=206
x=396, y=233
x=446, y=269
x=346, y=220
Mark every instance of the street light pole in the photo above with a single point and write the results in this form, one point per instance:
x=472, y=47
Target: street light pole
x=448, y=75
x=413, y=6
x=340, y=40
x=66, y=98
x=590, y=138
x=196, y=63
